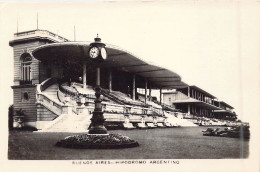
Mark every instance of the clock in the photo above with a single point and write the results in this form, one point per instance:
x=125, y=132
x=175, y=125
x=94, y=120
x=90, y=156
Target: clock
x=104, y=53
x=93, y=52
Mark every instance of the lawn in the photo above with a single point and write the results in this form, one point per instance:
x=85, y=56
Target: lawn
x=159, y=143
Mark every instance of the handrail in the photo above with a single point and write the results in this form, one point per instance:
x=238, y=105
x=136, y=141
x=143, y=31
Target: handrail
x=103, y=92
x=48, y=82
x=112, y=108
x=121, y=101
x=52, y=105
x=66, y=91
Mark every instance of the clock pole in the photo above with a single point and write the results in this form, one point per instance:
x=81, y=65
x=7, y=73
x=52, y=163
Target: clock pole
x=97, y=120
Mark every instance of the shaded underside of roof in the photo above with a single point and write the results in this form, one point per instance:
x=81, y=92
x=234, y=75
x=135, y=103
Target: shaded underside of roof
x=227, y=105
x=224, y=112
x=192, y=101
x=117, y=59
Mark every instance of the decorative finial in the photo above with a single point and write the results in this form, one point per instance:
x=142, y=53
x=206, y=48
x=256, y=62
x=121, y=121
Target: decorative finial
x=97, y=39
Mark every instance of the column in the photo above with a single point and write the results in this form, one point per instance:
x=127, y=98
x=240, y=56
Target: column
x=188, y=110
x=188, y=91
x=110, y=81
x=160, y=96
x=150, y=94
x=145, y=95
x=84, y=74
x=133, y=87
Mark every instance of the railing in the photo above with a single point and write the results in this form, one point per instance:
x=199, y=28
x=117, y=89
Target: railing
x=68, y=92
x=40, y=33
x=53, y=106
x=167, y=107
x=56, y=107
x=123, y=108
x=48, y=82
x=121, y=100
x=115, y=99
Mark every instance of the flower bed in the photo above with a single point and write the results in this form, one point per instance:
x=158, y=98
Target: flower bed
x=86, y=141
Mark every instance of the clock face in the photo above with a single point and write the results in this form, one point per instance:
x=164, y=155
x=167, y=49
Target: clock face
x=93, y=52
x=104, y=53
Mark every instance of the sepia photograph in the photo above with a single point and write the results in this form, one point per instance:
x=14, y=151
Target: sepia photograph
x=130, y=83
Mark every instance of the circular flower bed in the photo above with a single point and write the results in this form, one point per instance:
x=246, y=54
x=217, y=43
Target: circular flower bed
x=87, y=141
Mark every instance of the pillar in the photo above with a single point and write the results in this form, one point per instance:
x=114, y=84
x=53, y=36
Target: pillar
x=160, y=96
x=84, y=74
x=150, y=94
x=133, y=87
x=188, y=110
x=110, y=81
x=188, y=91
x=145, y=95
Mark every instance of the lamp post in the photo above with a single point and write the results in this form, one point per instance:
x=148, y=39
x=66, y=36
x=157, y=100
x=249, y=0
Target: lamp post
x=97, y=53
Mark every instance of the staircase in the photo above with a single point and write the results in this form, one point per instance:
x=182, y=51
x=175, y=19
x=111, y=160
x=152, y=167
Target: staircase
x=69, y=123
x=51, y=91
x=67, y=120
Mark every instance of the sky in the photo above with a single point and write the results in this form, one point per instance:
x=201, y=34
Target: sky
x=210, y=45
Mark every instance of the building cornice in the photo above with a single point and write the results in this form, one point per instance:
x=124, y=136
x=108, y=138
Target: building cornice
x=26, y=40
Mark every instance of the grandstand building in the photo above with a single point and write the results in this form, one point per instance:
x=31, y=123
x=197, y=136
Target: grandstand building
x=196, y=102
x=54, y=80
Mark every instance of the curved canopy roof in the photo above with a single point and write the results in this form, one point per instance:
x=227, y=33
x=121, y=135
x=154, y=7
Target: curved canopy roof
x=117, y=59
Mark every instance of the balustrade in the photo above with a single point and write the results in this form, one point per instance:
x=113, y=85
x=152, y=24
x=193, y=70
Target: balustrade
x=43, y=33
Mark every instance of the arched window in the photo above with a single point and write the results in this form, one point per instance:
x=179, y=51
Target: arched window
x=26, y=61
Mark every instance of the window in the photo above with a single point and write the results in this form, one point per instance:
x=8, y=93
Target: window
x=26, y=61
x=25, y=96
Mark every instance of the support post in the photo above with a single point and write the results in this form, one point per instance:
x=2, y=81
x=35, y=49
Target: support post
x=188, y=91
x=188, y=110
x=160, y=96
x=84, y=74
x=150, y=94
x=133, y=87
x=110, y=81
x=145, y=96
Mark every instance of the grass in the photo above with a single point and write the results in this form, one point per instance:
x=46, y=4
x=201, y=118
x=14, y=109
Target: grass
x=164, y=143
